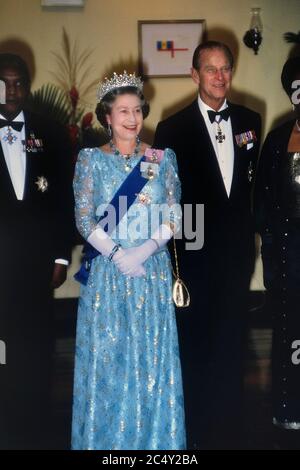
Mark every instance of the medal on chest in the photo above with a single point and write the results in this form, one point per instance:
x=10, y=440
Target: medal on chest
x=220, y=137
x=9, y=137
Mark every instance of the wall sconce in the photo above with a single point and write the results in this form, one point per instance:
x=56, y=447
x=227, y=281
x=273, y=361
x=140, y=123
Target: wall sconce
x=253, y=36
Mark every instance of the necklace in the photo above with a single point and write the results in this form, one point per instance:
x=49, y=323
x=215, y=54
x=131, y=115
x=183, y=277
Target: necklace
x=126, y=156
x=297, y=125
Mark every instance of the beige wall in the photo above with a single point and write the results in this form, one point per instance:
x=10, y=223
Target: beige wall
x=110, y=28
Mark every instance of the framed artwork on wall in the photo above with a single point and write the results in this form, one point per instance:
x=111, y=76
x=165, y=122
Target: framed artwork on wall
x=62, y=3
x=166, y=47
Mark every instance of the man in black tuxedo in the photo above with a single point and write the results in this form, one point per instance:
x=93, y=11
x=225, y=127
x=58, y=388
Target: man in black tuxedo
x=36, y=214
x=216, y=143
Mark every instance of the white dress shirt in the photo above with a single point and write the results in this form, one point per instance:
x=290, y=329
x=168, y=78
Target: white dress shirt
x=15, y=155
x=224, y=151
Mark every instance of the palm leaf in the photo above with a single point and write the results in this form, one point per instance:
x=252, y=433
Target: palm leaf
x=62, y=63
x=67, y=48
x=79, y=114
x=61, y=82
x=71, y=66
x=52, y=102
x=84, y=76
x=89, y=88
x=83, y=57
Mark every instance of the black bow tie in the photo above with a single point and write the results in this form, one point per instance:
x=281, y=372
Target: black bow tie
x=225, y=113
x=16, y=125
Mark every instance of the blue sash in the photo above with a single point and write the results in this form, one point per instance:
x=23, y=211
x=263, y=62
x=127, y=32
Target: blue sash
x=132, y=185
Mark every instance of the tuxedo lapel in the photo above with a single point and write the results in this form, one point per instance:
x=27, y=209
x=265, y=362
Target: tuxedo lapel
x=237, y=149
x=28, y=171
x=241, y=157
x=206, y=151
x=245, y=155
x=34, y=160
x=7, y=188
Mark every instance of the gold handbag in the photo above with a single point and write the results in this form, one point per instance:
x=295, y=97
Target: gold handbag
x=181, y=296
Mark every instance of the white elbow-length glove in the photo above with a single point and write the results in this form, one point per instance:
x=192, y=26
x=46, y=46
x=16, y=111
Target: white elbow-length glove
x=133, y=258
x=103, y=243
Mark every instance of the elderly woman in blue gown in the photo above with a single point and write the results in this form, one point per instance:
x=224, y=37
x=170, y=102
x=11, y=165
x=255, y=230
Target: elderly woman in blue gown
x=127, y=389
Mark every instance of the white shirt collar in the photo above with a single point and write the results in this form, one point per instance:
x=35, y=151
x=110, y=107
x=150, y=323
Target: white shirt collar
x=204, y=108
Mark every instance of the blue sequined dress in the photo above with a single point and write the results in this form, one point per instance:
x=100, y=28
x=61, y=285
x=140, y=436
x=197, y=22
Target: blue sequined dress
x=127, y=385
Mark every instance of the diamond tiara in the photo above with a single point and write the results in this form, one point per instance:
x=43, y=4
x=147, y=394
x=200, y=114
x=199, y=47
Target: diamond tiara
x=118, y=81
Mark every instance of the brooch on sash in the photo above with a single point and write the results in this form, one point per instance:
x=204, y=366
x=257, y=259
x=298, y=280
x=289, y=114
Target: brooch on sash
x=42, y=184
x=33, y=144
x=246, y=138
x=143, y=198
x=150, y=167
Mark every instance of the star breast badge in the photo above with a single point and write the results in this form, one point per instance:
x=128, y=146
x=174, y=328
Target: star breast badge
x=42, y=184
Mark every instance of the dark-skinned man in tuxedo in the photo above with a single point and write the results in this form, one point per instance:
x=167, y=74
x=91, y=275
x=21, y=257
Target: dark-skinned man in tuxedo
x=36, y=213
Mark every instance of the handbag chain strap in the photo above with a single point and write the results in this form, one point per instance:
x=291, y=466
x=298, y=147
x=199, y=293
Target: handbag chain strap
x=176, y=275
